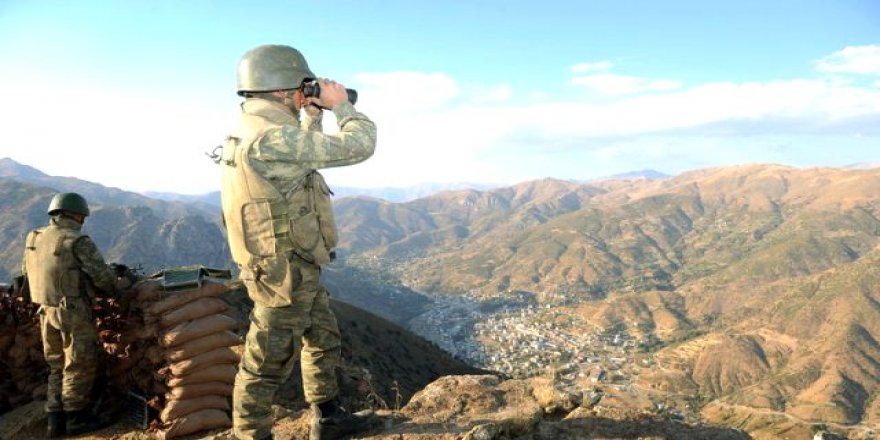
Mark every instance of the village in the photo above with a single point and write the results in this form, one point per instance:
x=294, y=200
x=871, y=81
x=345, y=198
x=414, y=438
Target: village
x=533, y=340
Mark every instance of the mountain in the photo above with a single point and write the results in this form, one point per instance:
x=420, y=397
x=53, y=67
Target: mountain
x=408, y=193
x=208, y=201
x=549, y=235
x=754, y=288
x=390, y=194
x=95, y=193
x=137, y=235
x=751, y=292
x=863, y=165
x=132, y=235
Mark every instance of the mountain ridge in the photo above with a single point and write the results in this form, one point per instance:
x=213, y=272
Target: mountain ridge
x=752, y=288
x=96, y=193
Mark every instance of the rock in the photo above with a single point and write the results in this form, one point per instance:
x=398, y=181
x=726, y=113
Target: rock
x=488, y=431
x=468, y=401
x=551, y=399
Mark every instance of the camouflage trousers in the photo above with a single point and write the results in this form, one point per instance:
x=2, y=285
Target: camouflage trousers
x=278, y=336
x=70, y=345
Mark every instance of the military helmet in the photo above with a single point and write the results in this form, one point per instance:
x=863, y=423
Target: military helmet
x=71, y=202
x=272, y=67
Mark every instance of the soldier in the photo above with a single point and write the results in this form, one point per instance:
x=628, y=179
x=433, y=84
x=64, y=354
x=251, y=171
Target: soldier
x=281, y=230
x=63, y=267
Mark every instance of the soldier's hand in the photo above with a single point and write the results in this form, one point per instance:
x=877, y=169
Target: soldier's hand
x=332, y=94
x=313, y=111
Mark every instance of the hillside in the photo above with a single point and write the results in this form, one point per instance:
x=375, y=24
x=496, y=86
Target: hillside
x=133, y=235
x=548, y=235
x=747, y=293
x=136, y=235
x=93, y=192
x=755, y=287
x=383, y=366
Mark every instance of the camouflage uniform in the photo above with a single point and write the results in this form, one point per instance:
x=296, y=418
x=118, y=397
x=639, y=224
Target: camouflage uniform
x=63, y=266
x=279, y=220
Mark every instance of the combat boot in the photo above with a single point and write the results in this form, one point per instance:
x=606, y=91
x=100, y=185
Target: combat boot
x=57, y=426
x=82, y=421
x=331, y=422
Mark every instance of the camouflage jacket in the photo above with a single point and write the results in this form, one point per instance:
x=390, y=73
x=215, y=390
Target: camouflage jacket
x=87, y=255
x=286, y=153
x=274, y=200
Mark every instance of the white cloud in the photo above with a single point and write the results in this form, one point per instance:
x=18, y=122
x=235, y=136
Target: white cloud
x=600, y=66
x=410, y=90
x=611, y=84
x=804, y=100
x=602, y=81
x=466, y=140
x=863, y=60
x=493, y=94
x=431, y=127
x=132, y=139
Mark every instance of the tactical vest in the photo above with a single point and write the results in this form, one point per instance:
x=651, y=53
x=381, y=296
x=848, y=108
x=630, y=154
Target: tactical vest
x=52, y=269
x=261, y=222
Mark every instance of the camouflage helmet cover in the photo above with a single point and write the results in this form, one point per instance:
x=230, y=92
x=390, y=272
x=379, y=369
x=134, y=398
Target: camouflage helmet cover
x=71, y=202
x=272, y=67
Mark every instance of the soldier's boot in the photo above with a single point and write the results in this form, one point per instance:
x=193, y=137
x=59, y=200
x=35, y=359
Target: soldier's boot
x=330, y=422
x=83, y=421
x=57, y=426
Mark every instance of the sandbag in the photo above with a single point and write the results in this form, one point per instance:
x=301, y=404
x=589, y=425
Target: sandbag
x=202, y=345
x=178, y=299
x=176, y=409
x=187, y=331
x=153, y=354
x=195, y=422
x=193, y=310
x=223, y=355
x=147, y=291
x=218, y=373
x=199, y=390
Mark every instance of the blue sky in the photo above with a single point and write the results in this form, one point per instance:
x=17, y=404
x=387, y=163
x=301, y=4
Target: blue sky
x=131, y=94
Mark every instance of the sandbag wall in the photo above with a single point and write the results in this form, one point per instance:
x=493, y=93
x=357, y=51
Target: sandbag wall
x=22, y=364
x=195, y=355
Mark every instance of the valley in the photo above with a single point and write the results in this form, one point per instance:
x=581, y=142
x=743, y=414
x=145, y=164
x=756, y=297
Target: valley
x=744, y=296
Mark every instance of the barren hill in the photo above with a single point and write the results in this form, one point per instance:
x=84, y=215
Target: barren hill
x=758, y=284
x=753, y=289
x=134, y=235
x=615, y=235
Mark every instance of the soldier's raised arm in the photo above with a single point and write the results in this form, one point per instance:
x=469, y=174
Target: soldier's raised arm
x=93, y=264
x=355, y=142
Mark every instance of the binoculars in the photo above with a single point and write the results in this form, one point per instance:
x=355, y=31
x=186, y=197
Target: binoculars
x=313, y=90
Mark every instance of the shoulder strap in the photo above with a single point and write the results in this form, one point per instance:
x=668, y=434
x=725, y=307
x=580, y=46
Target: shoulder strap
x=32, y=238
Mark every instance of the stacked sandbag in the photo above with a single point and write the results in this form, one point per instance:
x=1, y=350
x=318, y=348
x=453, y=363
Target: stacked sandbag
x=168, y=341
x=197, y=354
x=22, y=364
x=23, y=367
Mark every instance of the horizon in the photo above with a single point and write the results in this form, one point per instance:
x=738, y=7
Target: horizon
x=132, y=97
x=491, y=186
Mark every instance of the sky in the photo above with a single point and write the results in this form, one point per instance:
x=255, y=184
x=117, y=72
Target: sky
x=133, y=94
